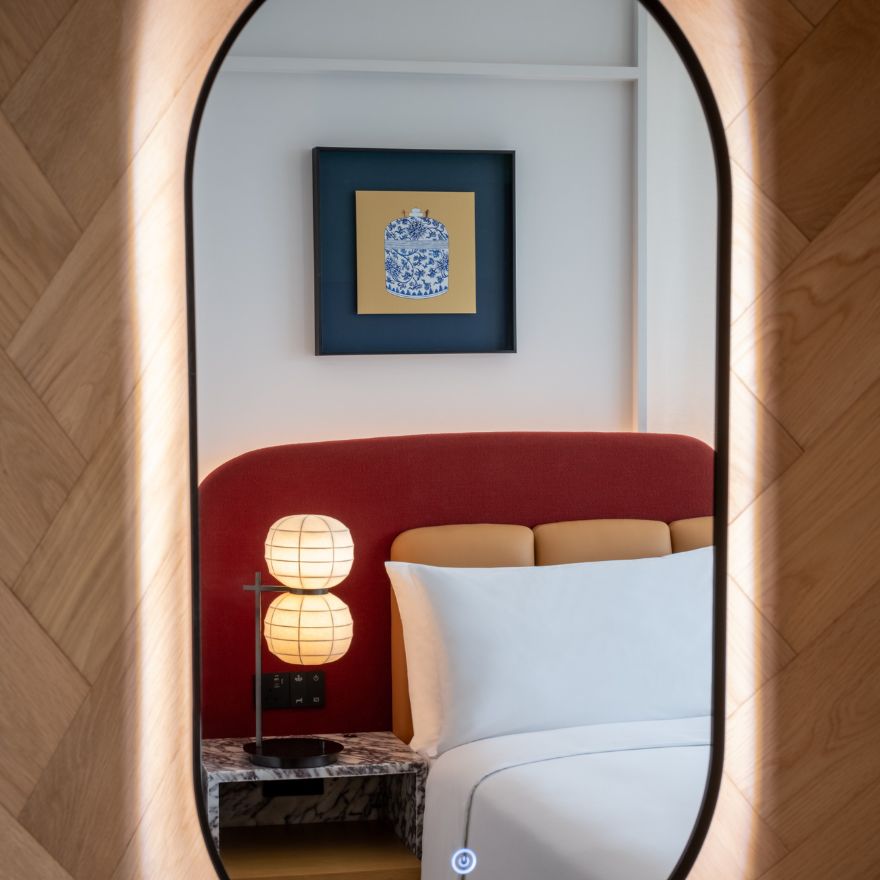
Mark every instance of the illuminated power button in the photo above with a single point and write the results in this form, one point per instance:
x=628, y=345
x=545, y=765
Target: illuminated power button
x=464, y=861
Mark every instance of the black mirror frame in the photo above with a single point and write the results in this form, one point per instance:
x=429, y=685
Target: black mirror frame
x=722, y=404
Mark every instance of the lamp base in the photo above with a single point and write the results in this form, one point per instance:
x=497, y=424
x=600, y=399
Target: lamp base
x=293, y=752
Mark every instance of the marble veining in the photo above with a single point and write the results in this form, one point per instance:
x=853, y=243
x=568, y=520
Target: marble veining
x=344, y=799
x=392, y=786
x=405, y=808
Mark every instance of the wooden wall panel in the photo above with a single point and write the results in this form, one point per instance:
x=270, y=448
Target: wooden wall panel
x=802, y=746
x=745, y=41
x=823, y=308
x=40, y=467
x=25, y=25
x=757, y=652
x=80, y=107
x=771, y=449
x=23, y=857
x=765, y=242
x=819, y=112
x=94, y=587
x=846, y=848
x=817, y=762
x=31, y=734
x=814, y=10
x=36, y=233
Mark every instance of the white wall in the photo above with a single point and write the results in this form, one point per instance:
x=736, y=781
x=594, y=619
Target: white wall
x=259, y=382
x=681, y=242
x=549, y=32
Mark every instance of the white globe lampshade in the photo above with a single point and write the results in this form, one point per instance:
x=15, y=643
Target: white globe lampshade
x=309, y=552
x=308, y=630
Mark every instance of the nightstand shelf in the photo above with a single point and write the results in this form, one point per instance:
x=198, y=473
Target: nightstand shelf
x=364, y=809
x=329, y=851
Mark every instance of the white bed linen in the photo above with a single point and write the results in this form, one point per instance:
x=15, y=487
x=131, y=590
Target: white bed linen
x=590, y=642
x=600, y=802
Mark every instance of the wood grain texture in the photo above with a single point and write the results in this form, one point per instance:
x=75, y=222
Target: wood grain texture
x=756, y=651
x=183, y=854
x=101, y=292
x=815, y=334
x=814, y=10
x=23, y=857
x=102, y=105
x=799, y=748
x=31, y=732
x=80, y=587
x=85, y=385
x=88, y=580
x=36, y=233
x=356, y=850
x=818, y=761
x=120, y=544
x=809, y=542
x=24, y=26
x=39, y=465
x=765, y=242
x=744, y=43
x=75, y=105
x=761, y=449
x=94, y=792
x=847, y=847
x=822, y=111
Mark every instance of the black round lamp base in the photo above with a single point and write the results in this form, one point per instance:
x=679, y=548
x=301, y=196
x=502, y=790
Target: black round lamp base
x=293, y=752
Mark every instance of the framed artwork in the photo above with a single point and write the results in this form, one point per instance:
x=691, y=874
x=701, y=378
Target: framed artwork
x=414, y=251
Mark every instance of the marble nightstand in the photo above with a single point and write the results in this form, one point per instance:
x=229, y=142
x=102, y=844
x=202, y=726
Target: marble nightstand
x=376, y=777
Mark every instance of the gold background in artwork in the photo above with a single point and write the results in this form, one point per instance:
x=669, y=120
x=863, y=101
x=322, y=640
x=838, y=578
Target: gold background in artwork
x=374, y=211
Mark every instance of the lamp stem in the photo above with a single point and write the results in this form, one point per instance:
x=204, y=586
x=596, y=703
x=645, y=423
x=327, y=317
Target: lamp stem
x=258, y=659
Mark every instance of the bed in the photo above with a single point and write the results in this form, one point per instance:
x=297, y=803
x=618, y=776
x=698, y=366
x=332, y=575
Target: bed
x=488, y=491
x=599, y=801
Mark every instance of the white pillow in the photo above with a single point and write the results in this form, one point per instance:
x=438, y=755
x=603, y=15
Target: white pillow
x=494, y=651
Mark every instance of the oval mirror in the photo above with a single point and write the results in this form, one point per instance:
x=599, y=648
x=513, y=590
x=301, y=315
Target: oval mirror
x=458, y=314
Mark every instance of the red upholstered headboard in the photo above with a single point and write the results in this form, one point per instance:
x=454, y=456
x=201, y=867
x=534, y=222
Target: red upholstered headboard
x=381, y=487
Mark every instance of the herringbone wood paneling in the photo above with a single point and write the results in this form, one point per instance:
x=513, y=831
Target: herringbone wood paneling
x=36, y=233
x=31, y=734
x=772, y=450
x=818, y=762
x=813, y=534
x=82, y=107
x=825, y=305
x=23, y=857
x=846, y=848
x=744, y=42
x=24, y=26
x=817, y=114
x=40, y=466
x=765, y=242
x=814, y=10
x=97, y=96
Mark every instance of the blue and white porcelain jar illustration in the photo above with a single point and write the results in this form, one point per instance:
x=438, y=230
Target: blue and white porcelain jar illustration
x=416, y=256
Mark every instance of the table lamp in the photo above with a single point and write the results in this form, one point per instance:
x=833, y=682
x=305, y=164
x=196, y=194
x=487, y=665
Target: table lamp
x=306, y=625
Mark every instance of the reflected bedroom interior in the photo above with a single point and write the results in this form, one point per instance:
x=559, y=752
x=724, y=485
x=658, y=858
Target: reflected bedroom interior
x=459, y=545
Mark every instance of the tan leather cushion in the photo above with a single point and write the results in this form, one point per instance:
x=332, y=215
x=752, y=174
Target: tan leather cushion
x=691, y=534
x=478, y=545
x=591, y=540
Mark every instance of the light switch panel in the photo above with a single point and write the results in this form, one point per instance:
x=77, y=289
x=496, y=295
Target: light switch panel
x=276, y=690
x=307, y=689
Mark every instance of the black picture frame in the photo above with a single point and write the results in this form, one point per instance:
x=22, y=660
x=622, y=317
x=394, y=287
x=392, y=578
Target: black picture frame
x=337, y=172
